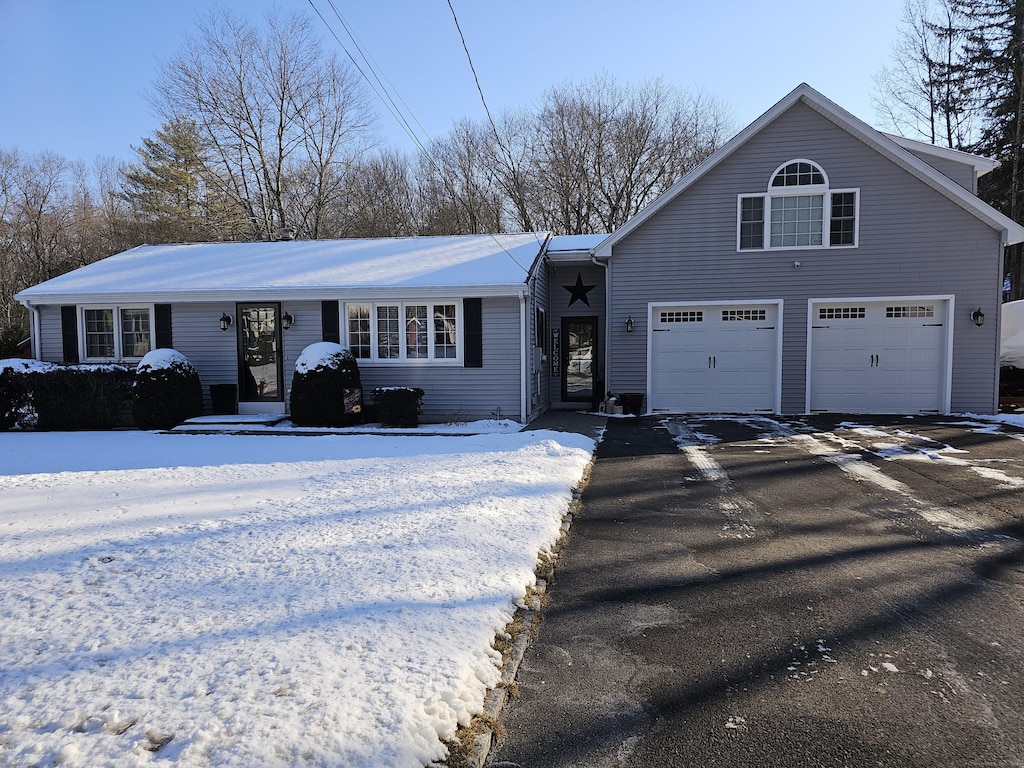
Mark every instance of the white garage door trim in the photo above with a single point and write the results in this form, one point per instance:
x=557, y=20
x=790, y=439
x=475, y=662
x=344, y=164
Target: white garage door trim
x=946, y=382
x=777, y=304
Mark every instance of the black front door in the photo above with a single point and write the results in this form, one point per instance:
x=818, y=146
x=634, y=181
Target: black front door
x=579, y=353
x=260, y=366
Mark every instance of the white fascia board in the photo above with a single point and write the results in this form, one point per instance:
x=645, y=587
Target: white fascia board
x=272, y=294
x=979, y=163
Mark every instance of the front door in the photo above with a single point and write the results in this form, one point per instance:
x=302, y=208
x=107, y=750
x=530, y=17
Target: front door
x=579, y=352
x=260, y=365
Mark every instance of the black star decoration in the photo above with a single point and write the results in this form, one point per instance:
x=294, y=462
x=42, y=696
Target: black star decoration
x=579, y=291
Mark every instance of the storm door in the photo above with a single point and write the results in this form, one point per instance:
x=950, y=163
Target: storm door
x=260, y=365
x=579, y=351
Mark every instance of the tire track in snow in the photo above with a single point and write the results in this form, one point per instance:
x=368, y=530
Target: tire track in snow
x=860, y=470
x=737, y=510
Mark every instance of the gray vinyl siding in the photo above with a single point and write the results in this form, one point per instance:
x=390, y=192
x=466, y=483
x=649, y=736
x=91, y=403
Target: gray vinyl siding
x=51, y=345
x=454, y=393
x=540, y=361
x=962, y=173
x=912, y=241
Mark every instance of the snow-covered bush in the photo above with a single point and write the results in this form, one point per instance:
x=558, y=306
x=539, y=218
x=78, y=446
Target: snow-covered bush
x=167, y=390
x=70, y=397
x=326, y=388
x=398, y=406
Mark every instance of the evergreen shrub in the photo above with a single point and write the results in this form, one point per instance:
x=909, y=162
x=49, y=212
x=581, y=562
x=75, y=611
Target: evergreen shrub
x=70, y=397
x=326, y=388
x=166, y=392
x=398, y=406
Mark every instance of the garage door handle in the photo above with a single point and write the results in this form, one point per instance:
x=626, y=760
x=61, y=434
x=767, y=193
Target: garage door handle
x=712, y=362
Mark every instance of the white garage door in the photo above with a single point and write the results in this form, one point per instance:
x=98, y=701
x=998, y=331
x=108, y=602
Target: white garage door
x=714, y=358
x=884, y=356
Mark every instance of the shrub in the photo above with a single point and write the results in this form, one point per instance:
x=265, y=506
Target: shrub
x=70, y=397
x=13, y=395
x=398, y=406
x=167, y=390
x=326, y=388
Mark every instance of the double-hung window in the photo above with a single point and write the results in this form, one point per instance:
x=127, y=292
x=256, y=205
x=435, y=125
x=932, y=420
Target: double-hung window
x=397, y=331
x=116, y=333
x=799, y=210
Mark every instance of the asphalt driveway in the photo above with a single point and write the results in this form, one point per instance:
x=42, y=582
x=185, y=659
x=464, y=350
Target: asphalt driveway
x=785, y=592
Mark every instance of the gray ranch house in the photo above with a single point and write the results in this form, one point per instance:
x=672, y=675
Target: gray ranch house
x=812, y=264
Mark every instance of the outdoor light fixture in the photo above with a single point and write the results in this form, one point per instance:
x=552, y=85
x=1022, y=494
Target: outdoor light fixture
x=629, y=324
x=286, y=320
x=225, y=321
x=978, y=317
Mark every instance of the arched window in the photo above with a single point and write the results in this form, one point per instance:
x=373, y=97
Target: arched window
x=793, y=211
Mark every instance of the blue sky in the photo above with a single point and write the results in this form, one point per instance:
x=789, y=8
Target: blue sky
x=75, y=73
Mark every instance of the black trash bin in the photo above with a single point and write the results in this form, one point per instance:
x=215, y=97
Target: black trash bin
x=632, y=402
x=224, y=398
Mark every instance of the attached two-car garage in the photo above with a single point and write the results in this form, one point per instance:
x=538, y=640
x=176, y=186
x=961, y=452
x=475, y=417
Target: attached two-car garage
x=863, y=356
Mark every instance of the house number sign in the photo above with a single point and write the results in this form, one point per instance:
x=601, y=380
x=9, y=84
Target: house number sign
x=556, y=352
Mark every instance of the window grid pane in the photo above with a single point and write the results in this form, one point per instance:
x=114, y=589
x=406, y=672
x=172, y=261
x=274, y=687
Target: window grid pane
x=682, y=317
x=359, y=330
x=842, y=225
x=796, y=221
x=445, y=338
x=798, y=175
x=134, y=332
x=388, y=333
x=842, y=313
x=752, y=222
x=416, y=331
x=99, y=333
x=731, y=315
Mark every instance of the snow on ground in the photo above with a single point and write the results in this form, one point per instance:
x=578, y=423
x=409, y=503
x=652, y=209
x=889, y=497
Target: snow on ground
x=226, y=600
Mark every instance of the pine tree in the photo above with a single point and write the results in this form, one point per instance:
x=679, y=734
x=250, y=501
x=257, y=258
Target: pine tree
x=167, y=188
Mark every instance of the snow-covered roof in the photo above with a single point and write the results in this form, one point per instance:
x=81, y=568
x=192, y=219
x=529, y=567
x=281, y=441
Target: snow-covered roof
x=481, y=264
x=1012, y=232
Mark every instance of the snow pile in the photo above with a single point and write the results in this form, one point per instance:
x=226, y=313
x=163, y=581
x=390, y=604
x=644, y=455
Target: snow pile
x=322, y=354
x=1011, y=334
x=224, y=600
x=161, y=359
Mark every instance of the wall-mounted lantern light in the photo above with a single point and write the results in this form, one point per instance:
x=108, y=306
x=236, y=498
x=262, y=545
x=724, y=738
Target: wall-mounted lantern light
x=286, y=320
x=629, y=324
x=978, y=317
x=225, y=321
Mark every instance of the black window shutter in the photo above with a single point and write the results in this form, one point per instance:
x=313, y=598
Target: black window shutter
x=69, y=333
x=331, y=321
x=473, y=333
x=164, y=339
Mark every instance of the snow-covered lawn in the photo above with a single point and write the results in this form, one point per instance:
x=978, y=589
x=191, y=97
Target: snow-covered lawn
x=269, y=600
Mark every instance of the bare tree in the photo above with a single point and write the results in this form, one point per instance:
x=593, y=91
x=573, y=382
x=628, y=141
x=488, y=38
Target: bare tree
x=604, y=150
x=267, y=104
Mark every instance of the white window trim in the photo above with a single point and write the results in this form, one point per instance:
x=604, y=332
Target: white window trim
x=118, y=340
x=799, y=191
x=429, y=360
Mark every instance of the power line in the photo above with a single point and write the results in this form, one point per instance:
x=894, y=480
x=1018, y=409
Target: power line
x=375, y=84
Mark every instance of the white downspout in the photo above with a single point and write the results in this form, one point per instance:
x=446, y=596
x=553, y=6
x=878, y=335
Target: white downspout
x=524, y=376
x=35, y=324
